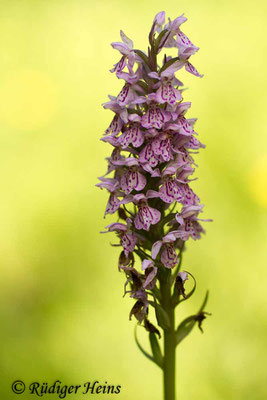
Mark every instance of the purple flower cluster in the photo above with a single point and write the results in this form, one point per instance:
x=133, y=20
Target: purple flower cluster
x=151, y=162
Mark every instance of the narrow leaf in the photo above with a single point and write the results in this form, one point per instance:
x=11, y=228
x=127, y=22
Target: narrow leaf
x=157, y=293
x=184, y=328
x=140, y=254
x=142, y=55
x=143, y=85
x=169, y=63
x=204, y=302
x=146, y=354
x=158, y=40
x=152, y=34
x=155, y=347
x=188, y=324
x=166, y=219
x=162, y=44
x=162, y=317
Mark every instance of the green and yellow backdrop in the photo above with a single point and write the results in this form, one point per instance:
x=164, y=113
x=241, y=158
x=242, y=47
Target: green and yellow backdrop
x=61, y=307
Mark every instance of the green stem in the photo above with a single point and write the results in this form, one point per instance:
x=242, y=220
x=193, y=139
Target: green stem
x=169, y=341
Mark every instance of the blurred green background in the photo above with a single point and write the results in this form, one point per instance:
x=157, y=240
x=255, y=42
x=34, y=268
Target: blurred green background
x=61, y=310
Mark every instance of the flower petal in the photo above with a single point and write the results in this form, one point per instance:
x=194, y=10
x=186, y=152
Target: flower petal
x=156, y=248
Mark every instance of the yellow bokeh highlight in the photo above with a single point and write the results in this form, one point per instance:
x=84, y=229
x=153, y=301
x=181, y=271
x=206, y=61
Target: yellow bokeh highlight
x=28, y=99
x=258, y=180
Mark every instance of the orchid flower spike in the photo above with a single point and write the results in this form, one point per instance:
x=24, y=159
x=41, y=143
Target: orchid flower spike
x=149, y=175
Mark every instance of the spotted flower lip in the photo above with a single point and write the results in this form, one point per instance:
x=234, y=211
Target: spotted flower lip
x=146, y=216
x=188, y=221
x=151, y=165
x=170, y=191
x=185, y=46
x=162, y=147
x=126, y=96
x=112, y=185
x=166, y=93
x=190, y=68
x=155, y=117
x=116, y=108
x=148, y=156
x=169, y=257
x=115, y=126
x=113, y=204
x=133, y=135
x=132, y=180
x=128, y=239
